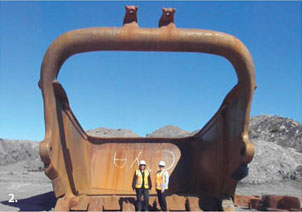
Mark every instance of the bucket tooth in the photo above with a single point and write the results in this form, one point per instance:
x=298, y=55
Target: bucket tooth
x=112, y=203
x=79, y=203
x=95, y=204
x=227, y=204
x=176, y=203
x=128, y=204
x=193, y=204
x=63, y=204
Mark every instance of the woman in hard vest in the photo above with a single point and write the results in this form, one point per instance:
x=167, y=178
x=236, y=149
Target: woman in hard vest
x=162, y=181
x=142, y=184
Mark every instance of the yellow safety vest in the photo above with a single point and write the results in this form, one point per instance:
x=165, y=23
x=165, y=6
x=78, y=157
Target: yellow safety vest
x=139, y=179
x=160, y=180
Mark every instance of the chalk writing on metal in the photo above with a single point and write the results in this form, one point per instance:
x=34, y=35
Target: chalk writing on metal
x=122, y=161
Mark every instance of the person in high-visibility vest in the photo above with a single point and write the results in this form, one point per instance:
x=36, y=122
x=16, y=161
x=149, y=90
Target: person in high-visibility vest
x=142, y=184
x=161, y=184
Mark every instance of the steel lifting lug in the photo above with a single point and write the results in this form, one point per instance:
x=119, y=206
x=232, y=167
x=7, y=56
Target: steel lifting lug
x=167, y=17
x=130, y=18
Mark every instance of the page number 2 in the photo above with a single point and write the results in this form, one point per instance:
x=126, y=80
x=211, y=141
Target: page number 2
x=12, y=198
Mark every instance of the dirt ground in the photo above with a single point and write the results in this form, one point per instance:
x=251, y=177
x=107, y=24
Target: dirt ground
x=32, y=191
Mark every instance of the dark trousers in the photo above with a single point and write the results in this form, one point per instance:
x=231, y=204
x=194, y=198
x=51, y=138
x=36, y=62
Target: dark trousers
x=162, y=199
x=139, y=193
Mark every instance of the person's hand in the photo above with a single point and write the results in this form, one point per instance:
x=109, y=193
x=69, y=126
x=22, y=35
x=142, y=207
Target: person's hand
x=162, y=191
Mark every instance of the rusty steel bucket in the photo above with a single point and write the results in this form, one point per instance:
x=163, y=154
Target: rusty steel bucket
x=94, y=173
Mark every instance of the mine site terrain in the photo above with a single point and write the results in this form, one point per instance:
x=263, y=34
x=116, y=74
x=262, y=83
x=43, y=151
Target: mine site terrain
x=275, y=169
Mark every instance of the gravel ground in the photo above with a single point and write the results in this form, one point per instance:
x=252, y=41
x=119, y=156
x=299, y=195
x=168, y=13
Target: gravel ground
x=285, y=187
x=33, y=190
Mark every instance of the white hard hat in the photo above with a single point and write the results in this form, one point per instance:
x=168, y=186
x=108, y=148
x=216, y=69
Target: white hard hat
x=162, y=163
x=142, y=162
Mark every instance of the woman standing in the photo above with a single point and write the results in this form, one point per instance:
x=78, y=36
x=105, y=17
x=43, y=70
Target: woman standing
x=141, y=183
x=161, y=183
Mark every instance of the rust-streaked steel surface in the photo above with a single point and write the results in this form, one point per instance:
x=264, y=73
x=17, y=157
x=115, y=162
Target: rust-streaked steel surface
x=91, y=172
x=268, y=203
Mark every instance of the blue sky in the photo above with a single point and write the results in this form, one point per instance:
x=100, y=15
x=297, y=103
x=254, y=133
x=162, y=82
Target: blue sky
x=143, y=91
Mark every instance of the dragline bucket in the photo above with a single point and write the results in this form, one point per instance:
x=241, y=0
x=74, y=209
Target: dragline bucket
x=95, y=173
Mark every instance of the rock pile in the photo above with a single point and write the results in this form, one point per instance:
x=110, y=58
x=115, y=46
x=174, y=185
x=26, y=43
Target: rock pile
x=25, y=152
x=273, y=162
x=278, y=148
x=282, y=131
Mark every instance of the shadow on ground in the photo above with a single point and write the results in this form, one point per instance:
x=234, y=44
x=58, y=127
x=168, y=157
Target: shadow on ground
x=42, y=202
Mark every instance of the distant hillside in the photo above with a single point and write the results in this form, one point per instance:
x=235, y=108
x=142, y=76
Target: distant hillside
x=104, y=132
x=168, y=132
